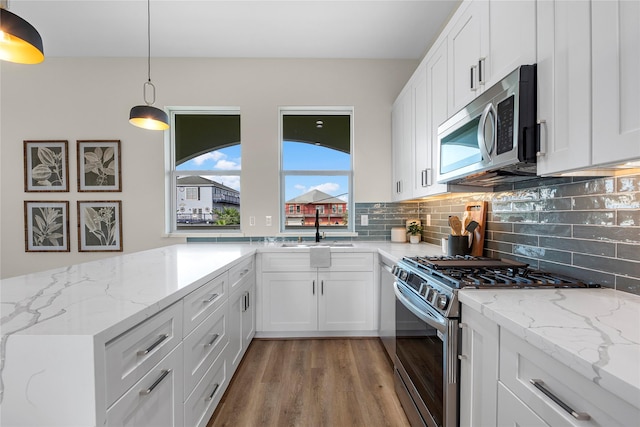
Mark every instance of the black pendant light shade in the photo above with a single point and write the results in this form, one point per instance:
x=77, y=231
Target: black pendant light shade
x=149, y=117
x=19, y=41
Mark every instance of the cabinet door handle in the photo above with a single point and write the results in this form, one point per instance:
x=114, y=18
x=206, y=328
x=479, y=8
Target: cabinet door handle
x=210, y=397
x=426, y=177
x=152, y=346
x=322, y=287
x=481, y=71
x=541, y=151
x=472, y=75
x=162, y=376
x=313, y=287
x=248, y=301
x=210, y=299
x=539, y=384
x=210, y=343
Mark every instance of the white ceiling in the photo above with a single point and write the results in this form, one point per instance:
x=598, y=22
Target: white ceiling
x=237, y=28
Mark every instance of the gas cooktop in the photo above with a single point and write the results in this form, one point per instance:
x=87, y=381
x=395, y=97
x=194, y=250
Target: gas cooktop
x=479, y=272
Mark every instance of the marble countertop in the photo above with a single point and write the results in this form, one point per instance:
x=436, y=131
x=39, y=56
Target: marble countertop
x=106, y=297
x=596, y=332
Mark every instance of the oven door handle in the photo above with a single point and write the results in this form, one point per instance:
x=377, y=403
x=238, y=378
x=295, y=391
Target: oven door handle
x=431, y=317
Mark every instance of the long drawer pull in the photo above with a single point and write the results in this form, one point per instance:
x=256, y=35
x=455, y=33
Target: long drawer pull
x=539, y=384
x=207, y=301
x=210, y=397
x=165, y=372
x=210, y=343
x=152, y=346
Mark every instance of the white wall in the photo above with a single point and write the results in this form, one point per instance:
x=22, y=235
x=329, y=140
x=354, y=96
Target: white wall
x=90, y=99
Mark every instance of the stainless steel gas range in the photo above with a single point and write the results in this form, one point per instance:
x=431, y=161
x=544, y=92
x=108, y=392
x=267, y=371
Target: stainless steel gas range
x=427, y=332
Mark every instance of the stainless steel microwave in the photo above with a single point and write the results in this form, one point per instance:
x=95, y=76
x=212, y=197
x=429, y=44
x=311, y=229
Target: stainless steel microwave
x=494, y=138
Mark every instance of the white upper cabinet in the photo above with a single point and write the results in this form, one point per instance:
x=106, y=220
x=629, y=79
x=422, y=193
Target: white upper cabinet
x=437, y=113
x=512, y=38
x=564, y=85
x=421, y=142
x=401, y=146
x=488, y=40
x=616, y=81
x=468, y=42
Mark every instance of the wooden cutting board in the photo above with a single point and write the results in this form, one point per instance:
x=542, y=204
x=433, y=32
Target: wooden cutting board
x=477, y=211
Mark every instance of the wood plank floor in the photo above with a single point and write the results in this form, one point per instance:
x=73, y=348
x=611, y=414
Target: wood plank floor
x=312, y=382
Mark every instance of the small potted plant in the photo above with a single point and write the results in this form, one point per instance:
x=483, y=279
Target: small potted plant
x=414, y=230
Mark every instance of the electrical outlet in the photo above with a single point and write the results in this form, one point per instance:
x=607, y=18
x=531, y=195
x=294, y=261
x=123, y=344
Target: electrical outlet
x=364, y=220
x=267, y=221
x=428, y=220
x=252, y=221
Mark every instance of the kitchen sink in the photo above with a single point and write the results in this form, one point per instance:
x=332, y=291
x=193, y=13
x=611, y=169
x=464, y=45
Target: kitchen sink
x=314, y=244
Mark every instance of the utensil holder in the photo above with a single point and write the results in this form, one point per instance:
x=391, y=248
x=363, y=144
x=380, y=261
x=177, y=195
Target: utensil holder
x=458, y=245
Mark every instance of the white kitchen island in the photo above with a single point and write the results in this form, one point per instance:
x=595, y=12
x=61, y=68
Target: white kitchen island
x=62, y=329
x=57, y=324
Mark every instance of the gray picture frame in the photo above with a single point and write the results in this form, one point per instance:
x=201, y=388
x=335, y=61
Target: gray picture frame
x=46, y=166
x=46, y=226
x=99, y=166
x=100, y=226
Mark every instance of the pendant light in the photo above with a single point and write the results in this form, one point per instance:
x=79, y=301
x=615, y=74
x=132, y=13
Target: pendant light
x=147, y=116
x=20, y=42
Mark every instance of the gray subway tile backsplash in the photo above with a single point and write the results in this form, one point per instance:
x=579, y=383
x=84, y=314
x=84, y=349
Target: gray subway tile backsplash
x=587, y=228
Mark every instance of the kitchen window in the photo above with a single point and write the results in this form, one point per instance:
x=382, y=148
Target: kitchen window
x=204, y=178
x=316, y=173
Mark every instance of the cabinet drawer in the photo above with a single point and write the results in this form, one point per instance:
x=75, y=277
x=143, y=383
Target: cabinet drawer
x=155, y=400
x=204, y=345
x=350, y=261
x=520, y=362
x=132, y=354
x=239, y=271
x=285, y=261
x=205, y=300
x=203, y=401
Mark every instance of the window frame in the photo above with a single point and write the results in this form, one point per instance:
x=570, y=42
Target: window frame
x=171, y=174
x=309, y=111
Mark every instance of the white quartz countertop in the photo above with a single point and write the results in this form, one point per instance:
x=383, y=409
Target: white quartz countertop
x=106, y=297
x=596, y=332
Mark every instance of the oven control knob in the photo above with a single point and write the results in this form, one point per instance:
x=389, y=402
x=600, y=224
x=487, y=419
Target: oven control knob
x=441, y=301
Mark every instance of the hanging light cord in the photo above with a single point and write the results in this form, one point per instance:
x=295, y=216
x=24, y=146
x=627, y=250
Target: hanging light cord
x=149, y=39
x=148, y=83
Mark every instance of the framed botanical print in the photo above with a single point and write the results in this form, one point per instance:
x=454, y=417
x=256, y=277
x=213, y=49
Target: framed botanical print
x=99, y=166
x=46, y=166
x=99, y=226
x=46, y=226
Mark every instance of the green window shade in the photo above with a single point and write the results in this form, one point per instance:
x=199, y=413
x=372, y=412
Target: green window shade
x=197, y=134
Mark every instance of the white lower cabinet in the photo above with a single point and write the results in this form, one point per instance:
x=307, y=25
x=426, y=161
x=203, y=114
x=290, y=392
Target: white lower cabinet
x=336, y=298
x=478, y=369
x=521, y=363
x=513, y=412
x=497, y=386
x=160, y=374
x=131, y=355
x=242, y=319
x=204, y=345
x=289, y=301
x=199, y=407
x=155, y=400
